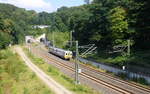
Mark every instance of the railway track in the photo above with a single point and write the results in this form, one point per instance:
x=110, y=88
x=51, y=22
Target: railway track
x=114, y=87
x=118, y=79
x=83, y=74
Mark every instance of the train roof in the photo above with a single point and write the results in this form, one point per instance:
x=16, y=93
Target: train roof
x=60, y=49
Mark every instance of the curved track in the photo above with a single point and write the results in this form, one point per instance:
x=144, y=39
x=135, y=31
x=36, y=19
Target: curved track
x=146, y=90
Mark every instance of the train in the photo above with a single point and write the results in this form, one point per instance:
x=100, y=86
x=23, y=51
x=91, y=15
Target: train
x=67, y=55
x=64, y=54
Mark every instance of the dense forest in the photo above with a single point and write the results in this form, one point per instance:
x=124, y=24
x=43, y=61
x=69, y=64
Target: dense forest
x=106, y=23
x=13, y=24
x=100, y=21
x=109, y=23
x=16, y=22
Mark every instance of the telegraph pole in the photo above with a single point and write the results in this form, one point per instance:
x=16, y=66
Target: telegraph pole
x=53, y=38
x=53, y=30
x=76, y=65
x=71, y=38
x=128, y=52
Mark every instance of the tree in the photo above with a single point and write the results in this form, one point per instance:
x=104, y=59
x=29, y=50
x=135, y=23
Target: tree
x=143, y=24
x=118, y=24
x=5, y=40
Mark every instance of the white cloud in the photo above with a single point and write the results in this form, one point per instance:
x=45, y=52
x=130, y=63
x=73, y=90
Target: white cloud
x=38, y=5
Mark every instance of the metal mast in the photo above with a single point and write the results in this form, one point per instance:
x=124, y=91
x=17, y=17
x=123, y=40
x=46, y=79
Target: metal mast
x=76, y=65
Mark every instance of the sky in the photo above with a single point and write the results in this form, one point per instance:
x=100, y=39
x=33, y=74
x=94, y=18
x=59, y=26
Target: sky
x=43, y=5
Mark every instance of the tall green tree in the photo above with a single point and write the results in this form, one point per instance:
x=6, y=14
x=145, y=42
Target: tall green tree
x=118, y=25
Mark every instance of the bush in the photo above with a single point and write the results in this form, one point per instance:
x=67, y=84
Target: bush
x=26, y=91
x=53, y=71
x=4, y=40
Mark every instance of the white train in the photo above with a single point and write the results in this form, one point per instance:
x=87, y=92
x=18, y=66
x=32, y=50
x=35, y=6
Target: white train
x=60, y=52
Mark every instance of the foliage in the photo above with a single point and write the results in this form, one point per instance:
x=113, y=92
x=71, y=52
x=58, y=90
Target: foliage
x=37, y=31
x=105, y=20
x=142, y=24
x=14, y=22
x=4, y=40
x=60, y=38
x=118, y=24
x=106, y=23
x=42, y=18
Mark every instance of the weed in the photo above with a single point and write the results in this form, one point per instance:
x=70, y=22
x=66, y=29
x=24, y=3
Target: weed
x=26, y=91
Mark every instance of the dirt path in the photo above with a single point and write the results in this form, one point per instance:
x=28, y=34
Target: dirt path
x=52, y=84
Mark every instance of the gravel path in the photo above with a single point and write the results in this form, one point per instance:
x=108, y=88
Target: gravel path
x=52, y=84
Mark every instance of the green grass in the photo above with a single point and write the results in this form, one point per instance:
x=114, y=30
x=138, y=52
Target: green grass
x=59, y=76
x=17, y=78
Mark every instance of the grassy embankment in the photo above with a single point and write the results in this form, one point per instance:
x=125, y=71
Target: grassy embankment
x=17, y=78
x=59, y=76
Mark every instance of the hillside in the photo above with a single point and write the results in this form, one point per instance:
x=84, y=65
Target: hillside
x=15, y=23
x=17, y=78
